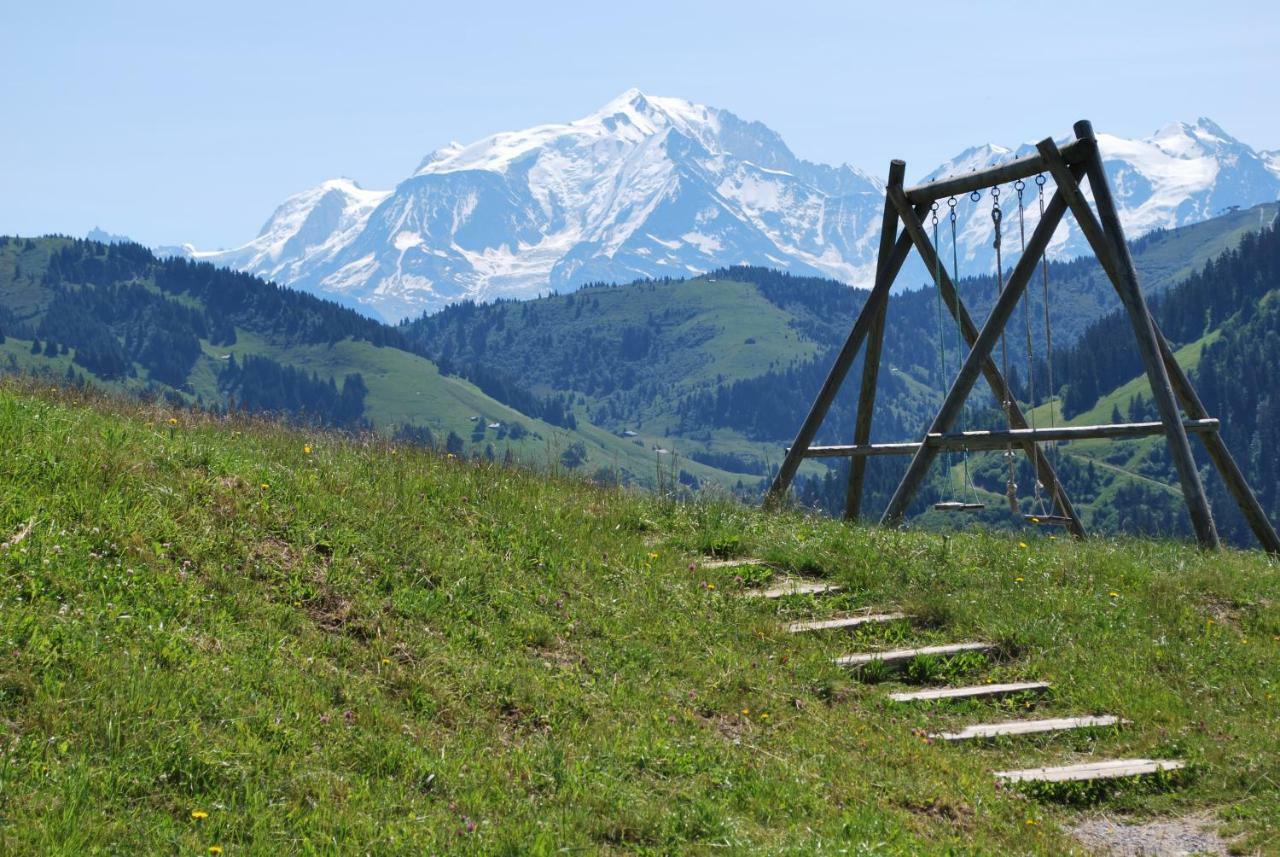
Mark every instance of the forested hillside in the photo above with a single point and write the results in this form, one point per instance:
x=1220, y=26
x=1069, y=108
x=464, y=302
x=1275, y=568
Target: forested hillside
x=689, y=382
x=727, y=364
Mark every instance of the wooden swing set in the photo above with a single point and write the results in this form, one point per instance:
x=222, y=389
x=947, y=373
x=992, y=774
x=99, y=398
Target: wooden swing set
x=1170, y=386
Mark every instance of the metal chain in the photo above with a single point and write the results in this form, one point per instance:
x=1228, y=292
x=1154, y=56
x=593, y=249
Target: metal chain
x=1020, y=186
x=960, y=353
x=942, y=330
x=1048, y=328
x=997, y=217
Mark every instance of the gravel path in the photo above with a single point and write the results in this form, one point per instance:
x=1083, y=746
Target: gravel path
x=1166, y=837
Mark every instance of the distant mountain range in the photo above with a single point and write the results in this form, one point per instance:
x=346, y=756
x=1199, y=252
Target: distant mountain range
x=656, y=187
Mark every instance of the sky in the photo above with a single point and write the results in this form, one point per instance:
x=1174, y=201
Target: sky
x=190, y=122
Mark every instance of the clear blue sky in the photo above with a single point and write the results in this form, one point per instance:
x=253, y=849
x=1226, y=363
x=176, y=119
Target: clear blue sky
x=175, y=122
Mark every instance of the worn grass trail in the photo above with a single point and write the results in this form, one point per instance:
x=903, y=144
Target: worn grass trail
x=237, y=635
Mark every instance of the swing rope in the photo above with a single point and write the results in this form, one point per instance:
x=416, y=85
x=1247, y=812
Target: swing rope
x=1048, y=328
x=1048, y=334
x=997, y=217
x=942, y=341
x=1020, y=186
x=955, y=280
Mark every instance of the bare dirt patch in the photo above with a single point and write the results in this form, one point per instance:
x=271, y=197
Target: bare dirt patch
x=1161, y=837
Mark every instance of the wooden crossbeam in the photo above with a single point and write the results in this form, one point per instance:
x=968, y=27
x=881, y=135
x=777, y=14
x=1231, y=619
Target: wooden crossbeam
x=975, y=441
x=1019, y=168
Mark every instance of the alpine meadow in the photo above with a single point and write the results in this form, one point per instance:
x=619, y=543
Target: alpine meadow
x=834, y=430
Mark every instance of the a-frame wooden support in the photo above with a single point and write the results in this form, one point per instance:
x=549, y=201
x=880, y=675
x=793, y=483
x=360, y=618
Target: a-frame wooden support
x=1169, y=384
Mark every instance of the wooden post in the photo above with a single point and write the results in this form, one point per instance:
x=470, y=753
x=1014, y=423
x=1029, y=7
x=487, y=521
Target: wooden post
x=878, y=297
x=980, y=352
x=998, y=383
x=1216, y=447
x=871, y=361
x=1119, y=265
x=1221, y=457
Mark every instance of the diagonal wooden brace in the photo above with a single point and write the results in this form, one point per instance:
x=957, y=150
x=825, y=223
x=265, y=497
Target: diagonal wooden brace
x=1106, y=238
x=1221, y=457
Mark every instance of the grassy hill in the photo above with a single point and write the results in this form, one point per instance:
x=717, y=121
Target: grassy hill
x=405, y=389
x=227, y=633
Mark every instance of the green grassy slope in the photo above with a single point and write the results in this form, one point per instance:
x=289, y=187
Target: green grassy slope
x=404, y=388
x=226, y=633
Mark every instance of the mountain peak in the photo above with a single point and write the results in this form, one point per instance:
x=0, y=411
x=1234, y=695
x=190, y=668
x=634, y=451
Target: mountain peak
x=654, y=186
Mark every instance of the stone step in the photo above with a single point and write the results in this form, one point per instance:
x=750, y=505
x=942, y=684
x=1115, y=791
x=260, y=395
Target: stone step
x=794, y=587
x=729, y=563
x=844, y=622
x=1112, y=769
x=1028, y=727
x=975, y=692
x=901, y=657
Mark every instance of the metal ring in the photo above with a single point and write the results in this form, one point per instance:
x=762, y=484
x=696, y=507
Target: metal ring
x=1040, y=180
x=995, y=192
x=1019, y=185
x=975, y=196
x=951, y=203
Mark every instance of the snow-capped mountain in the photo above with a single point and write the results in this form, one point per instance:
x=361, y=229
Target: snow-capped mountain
x=651, y=187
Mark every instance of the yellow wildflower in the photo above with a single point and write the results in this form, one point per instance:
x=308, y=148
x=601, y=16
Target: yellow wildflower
x=215, y=849
x=746, y=712
x=266, y=487
x=1114, y=594
x=198, y=814
x=173, y=421
x=1017, y=580
x=653, y=556
x=306, y=449
x=1022, y=544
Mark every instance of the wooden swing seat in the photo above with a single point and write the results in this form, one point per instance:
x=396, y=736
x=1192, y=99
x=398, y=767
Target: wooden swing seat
x=958, y=506
x=1048, y=520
